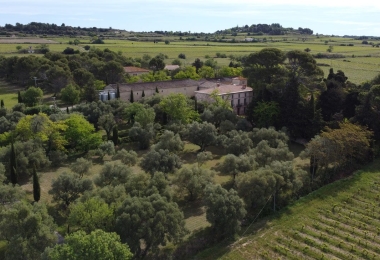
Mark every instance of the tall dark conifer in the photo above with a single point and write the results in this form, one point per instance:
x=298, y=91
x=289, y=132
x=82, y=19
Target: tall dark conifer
x=13, y=172
x=118, y=91
x=36, y=186
x=157, y=90
x=143, y=94
x=19, y=97
x=131, y=98
x=67, y=110
x=2, y=103
x=115, y=135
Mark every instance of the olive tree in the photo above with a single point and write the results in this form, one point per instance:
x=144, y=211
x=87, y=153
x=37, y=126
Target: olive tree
x=28, y=229
x=202, y=134
x=169, y=141
x=146, y=223
x=126, y=157
x=160, y=161
x=224, y=210
x=68, y=187
x=193, y=180
x=113, y=173
x=96, y=245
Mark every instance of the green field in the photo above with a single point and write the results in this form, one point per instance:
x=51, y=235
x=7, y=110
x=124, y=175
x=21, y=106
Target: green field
x=338, y=221
x=8, y=93
x=360, y=63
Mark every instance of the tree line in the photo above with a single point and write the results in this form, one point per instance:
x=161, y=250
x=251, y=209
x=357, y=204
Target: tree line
x=52, y=29
x=84, y=74
x=260, y=29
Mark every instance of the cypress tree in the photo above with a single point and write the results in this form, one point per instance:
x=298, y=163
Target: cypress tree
x=157, y=90
x=67, y=110
x=2, y=103
x=19, y=97
x=109, y=97
x=36, y=186
x=143, y=94
x=115, y=135
x=131, y=98
x=117, y=91
x=13, y=172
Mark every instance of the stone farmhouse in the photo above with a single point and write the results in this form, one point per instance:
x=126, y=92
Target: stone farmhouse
x=237, y=93
x=234, y=89
x=135, y=71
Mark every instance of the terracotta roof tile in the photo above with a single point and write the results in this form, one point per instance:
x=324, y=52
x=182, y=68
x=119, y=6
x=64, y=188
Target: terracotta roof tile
x=134, y=69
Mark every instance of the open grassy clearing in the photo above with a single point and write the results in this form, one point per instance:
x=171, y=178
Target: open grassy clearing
x=338, y=221
x=8, y=93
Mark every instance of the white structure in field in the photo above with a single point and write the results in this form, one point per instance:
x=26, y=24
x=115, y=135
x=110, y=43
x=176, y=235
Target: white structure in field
x=171, y=67
x=237, y=93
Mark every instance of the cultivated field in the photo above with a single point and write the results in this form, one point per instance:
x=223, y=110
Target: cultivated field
x=360, y=62
x=25, y=40
x=338, y=221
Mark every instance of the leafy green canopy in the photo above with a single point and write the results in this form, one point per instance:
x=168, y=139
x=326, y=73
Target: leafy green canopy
x=96, y=245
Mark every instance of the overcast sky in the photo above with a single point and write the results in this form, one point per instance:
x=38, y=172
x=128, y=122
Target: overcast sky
x=322, y=16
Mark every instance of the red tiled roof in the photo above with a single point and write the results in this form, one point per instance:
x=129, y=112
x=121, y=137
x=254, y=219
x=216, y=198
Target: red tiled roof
x=134, y=69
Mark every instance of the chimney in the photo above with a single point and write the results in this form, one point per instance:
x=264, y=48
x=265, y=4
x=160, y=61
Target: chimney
x=244, y=87
x=218, y=85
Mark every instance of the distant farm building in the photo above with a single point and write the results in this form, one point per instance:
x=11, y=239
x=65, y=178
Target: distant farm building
x=171, y=67
x=135, y=71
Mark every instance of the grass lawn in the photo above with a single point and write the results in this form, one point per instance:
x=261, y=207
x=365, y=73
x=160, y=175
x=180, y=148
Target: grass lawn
x=8, y=93
x=338, y=221
x=3, y=245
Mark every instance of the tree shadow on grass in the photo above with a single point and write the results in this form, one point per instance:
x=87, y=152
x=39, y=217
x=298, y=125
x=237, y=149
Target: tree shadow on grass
x=192, y=208
x=188, y=157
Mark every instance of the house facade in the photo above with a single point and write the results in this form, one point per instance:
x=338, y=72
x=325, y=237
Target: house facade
x=164, y=88
x=237, y=93
x=234, y=90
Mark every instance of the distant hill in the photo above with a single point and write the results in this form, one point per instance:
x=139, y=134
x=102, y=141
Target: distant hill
x=261, y=29
x=51, y=29
x=54, y=29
